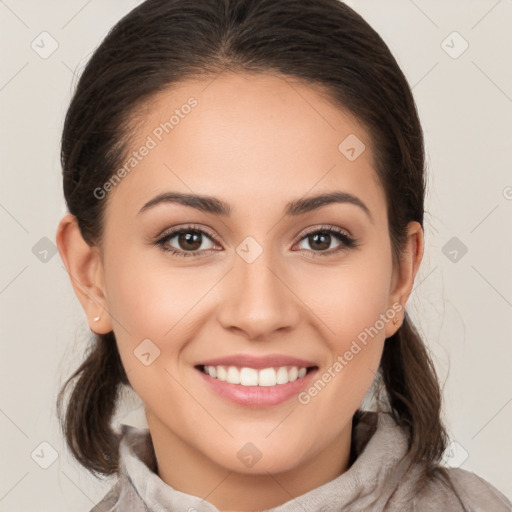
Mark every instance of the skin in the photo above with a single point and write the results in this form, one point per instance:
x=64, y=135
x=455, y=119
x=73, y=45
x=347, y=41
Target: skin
x=256, y=142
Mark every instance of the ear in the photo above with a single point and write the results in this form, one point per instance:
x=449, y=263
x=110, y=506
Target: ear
x=85, y=269
x=404, y=274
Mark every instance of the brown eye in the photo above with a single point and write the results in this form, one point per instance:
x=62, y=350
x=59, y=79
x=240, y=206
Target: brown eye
x=189, y=241
x=186, y=242
x=320, y=241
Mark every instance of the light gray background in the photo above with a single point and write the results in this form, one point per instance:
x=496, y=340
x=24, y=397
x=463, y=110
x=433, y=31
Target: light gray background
x=462, y=307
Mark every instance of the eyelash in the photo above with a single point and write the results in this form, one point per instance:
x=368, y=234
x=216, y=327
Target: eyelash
x=347, y=241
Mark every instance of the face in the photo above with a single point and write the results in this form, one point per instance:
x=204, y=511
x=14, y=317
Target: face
x=275, y=281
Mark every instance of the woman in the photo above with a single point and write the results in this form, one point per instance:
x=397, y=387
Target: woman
x=245, y=182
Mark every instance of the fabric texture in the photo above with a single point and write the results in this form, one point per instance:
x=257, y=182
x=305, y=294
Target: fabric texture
x=379, y=479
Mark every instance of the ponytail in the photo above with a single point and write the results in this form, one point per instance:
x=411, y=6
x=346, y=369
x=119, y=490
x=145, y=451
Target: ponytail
x=413, y=392
x=86, y=423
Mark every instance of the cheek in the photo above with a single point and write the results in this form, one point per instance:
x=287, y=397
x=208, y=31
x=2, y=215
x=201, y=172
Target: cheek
x=349, y=298
x=149, y=308
x=150, y=299
x=158, y=303
x=351, y=307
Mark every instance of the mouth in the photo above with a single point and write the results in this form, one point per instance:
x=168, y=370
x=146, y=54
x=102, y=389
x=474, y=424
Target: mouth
x=257, y=382
x=264, y=377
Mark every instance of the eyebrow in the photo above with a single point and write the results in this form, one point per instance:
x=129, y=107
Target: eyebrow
x=213, y=205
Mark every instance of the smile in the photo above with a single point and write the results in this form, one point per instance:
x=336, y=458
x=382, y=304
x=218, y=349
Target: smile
x=266, y=377
x=257, y=382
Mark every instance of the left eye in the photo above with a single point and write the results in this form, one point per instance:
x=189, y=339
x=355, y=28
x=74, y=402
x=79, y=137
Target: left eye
x=321, y=240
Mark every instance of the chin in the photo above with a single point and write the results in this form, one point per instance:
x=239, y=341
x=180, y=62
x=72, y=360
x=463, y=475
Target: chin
x=264, y=466
x=258, y=457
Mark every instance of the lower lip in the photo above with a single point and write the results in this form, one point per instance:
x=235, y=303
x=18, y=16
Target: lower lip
x=258, y=396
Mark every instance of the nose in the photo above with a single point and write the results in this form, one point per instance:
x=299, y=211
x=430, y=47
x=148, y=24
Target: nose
x=257, y=299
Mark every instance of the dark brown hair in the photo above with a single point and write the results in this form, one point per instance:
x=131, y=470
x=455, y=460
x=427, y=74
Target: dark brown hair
x=320, y=42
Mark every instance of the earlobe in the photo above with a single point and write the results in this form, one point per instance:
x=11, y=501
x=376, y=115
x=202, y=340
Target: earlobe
x=85, y=269
x=405, y=273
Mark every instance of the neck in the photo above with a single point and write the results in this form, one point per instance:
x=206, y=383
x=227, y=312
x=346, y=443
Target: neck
x=187, y=470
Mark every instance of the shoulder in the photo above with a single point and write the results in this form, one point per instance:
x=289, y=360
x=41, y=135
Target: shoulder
x=475, y=493
x=109, y=502
x=117, y=497
x=479, y=493
x=405, y=486
x=136, y=461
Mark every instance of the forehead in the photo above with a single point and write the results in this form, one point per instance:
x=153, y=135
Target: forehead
x=248, y=138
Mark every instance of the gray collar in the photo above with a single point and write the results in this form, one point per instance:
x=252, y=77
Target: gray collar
x=378, y=447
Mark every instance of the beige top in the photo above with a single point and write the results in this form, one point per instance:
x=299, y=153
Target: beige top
x=376, y=481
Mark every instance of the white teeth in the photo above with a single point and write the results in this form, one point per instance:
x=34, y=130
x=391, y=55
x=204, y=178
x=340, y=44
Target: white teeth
x=267, y=377
x=245, y=376
x=233, y=375
x=282, y=375
x=248, y=377
x=221, y=372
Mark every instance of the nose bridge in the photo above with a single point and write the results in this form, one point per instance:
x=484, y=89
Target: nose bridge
x=257, y=300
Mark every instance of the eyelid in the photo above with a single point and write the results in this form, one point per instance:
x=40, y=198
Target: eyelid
x=166, y=235
x=323, y=227
x=300, y=236
x=345, y=239
x=347, y=243
x=192, y=227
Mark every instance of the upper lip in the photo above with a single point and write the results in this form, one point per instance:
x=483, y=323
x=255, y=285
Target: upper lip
x=245, y=360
